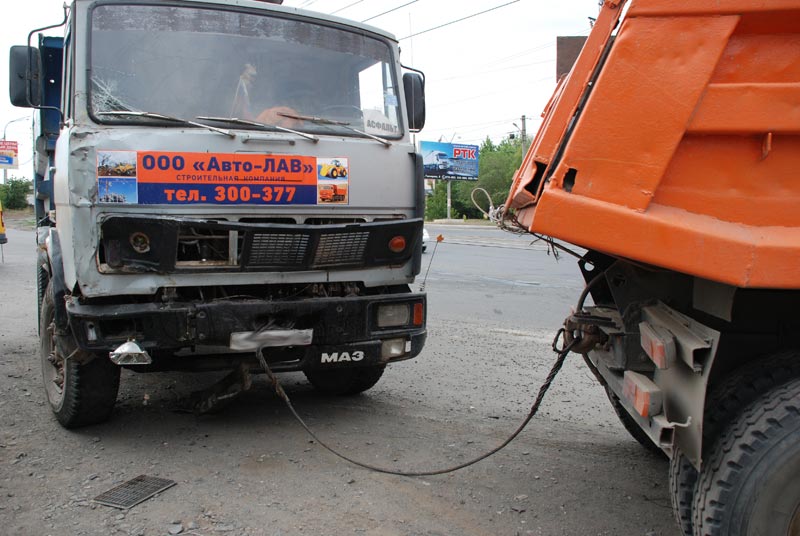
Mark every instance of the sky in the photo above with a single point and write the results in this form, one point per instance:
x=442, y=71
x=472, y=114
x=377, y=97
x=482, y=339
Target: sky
x=482, y=73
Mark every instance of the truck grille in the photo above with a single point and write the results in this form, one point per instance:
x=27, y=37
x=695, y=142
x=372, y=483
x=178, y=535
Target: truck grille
x=277, y=249
x=340, y=249
x=287, y=250
x=222, y=245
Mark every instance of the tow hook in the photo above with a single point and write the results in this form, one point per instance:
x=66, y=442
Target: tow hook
x=584, y=329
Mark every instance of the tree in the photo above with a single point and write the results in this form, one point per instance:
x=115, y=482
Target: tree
x=498, y=163
x=436, y=203
x=14, y=193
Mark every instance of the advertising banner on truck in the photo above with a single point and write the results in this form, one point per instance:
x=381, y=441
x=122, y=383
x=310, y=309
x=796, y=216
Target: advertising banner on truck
x=168, y=178
x=449, y=160
x=9, y=154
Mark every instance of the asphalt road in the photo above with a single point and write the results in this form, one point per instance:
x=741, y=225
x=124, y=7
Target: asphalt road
x=495, y=302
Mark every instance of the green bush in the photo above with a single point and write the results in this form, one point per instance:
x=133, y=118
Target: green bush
x=14, y=193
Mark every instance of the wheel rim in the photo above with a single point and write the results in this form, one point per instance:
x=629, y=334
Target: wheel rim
x=53, y=369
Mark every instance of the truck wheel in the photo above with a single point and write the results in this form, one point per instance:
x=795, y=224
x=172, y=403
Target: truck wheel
x=751, y=482
x=682, y=486
x=334, y=173
x=724, y=403
x=740, y=388
x=342, y=382
x=79, y=394
x=630, y=425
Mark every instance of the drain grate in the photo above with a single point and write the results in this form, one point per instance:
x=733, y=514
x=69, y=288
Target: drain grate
x=136, y=490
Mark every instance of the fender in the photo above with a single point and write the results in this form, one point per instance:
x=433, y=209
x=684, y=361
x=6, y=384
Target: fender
x=56, y=268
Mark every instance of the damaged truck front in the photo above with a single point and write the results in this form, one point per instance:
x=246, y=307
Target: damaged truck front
x=180, y=150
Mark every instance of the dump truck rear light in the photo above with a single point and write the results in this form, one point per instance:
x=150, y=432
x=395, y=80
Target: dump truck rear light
x=658, y=344
x=644, y=395
x=397, y=244
x=419, y=314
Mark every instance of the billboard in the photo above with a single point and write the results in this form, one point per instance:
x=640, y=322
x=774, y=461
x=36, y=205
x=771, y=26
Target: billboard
x=449, y=160
x=8, y=154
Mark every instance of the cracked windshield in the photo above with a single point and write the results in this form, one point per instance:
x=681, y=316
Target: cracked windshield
x=221, y=66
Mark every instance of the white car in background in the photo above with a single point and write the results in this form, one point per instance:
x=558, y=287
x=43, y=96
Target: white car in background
x=425, y=239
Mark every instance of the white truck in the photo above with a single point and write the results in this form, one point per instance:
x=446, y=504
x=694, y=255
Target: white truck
x=178, y=156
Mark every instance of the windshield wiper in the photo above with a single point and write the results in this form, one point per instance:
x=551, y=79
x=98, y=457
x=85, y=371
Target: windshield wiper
x=237, y=121
x=163, y=117
x=326, y=121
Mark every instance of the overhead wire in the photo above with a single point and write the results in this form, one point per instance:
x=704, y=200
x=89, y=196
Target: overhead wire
x=390, y=10
x=459, y=20
x=498, y=70
x=345, y=7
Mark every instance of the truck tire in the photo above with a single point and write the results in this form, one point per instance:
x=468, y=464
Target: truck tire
x=78, y=393
x=724, y=403
x=345, y=382
x=751, y=483
x=630, y=425
x=741, y=387
x=682, y=486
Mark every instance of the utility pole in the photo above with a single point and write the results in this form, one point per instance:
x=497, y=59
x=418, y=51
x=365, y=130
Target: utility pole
x=524, y=135
x=449, y=199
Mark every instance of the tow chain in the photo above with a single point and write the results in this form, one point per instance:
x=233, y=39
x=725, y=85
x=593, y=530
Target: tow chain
x=554, y=370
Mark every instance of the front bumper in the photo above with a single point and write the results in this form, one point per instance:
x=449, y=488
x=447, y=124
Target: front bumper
x=345, y=330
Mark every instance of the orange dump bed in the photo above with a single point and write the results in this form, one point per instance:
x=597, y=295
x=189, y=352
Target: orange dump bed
x=677, y=142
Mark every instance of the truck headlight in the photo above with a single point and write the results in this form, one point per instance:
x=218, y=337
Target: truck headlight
x=393, y=314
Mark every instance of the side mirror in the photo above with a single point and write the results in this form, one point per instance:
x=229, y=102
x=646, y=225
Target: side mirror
x=24, y=77
x=414, y=89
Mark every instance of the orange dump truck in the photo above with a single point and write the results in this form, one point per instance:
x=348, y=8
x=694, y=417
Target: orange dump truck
x=671, y=153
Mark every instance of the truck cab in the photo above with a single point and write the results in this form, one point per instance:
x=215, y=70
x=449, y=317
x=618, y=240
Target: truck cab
x=179, y=152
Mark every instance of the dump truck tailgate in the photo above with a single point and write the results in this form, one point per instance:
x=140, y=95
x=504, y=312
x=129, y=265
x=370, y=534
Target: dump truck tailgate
x=677, y=142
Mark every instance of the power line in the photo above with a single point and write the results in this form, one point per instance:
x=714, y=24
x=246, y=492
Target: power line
x=489, y=71
x=459, y=129
x=345, y=7
x=389, y=11
x=459, y=20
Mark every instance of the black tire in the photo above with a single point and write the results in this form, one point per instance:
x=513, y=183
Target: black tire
x=740, y=388
x=346, y=381
x=682, y=486
x=334, y=173
x=725, y=402
x=79, y=394
x=630, y=425
x=751, y=483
